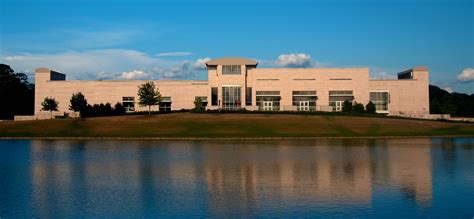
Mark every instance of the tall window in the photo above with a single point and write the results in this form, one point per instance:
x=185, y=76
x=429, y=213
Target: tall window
x=305, y=100
x=231, y=69
x=268, y=100
x=214, y=96
x=231, y=97
x=128, y=103
x=165, y=104
x=248, y=96
x=337, y=98
x=381, y=99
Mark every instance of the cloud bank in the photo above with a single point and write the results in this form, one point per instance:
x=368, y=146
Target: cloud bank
x=467, y=75
x=108, y=64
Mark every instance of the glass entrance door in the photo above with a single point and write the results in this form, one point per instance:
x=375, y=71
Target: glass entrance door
x=267, y=105
x=339, y=105
x=304, y=105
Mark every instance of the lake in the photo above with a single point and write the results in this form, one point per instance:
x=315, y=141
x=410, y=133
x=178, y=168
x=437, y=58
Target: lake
x=420, y=177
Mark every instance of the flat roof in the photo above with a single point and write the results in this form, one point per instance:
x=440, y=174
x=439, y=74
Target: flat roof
x=231, y=61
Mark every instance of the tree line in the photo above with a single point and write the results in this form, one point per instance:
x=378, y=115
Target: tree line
x=456, y=104
x=17, y=94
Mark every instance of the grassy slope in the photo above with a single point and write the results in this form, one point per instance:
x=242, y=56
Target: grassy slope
x=232, y=125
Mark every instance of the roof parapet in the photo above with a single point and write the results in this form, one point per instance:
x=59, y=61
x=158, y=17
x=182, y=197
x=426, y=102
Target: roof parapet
x=231, y=61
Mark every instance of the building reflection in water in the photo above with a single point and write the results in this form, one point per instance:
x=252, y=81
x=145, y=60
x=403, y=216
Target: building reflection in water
x=212, y=178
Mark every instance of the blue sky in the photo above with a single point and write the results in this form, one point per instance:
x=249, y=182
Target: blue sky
x=172, y=39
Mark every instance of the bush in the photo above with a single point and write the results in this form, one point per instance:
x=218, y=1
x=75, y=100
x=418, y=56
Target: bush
x=358, y=107
x=370, y=108
x=198, y=104
x=119, y=109
x=102, y=110
x=346, y=106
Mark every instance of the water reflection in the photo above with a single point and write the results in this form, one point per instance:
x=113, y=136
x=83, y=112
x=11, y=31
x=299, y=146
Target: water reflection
x=145, y=178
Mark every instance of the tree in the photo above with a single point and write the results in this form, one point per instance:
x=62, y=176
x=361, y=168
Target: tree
x=198, y=104
x=148, y=95
x=49, y=104
x=17, y=92
x=370, y=108
x=358, y=107
x=78, y=103
x=346, y=106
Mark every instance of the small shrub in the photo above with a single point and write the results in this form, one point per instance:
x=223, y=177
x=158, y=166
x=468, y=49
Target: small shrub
x=370, y=108
x=119, y=109
x=198, y=104
x=346, y=106
x=358, y=107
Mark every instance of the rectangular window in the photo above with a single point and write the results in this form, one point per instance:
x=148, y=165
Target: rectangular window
x=305, y=100
x=214, y=96
x=231, y=97
x=337, y=98
x=268, y=100
x=165, y=104
x=381, y=99
x=128, y=103
x=248, y=96
x=231, y=69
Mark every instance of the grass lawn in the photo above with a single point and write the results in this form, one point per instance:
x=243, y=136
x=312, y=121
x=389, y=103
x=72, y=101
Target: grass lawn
x=235, y=125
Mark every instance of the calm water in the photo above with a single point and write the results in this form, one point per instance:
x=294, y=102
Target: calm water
x=325, y=178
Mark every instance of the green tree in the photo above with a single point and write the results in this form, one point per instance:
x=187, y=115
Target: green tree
x=148, y=95
x=16, y=92
x=358, y=107
x=49, y=104
x=370, y=108
x=198, y=104
x=346, y=106
x=78, y=103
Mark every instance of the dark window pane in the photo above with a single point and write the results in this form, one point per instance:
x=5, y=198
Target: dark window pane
x=214, y=96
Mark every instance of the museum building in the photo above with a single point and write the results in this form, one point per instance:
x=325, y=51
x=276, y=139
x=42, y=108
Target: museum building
x=237, y=83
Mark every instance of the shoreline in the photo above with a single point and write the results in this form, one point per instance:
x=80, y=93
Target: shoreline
x=235, y=138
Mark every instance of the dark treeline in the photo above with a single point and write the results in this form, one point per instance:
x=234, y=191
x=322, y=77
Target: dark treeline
x=17, y=94
x=456, y=104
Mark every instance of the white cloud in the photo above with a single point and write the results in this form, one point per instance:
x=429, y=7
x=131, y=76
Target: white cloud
x=295, y=60
x=448, y=89
x=107, y=64
x=166, y=54
x=201, y=63
x=134, y=75
x=467, y=75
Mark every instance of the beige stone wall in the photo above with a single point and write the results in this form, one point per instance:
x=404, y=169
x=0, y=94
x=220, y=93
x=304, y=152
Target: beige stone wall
x=182, y=93
x=322, y=80
x=407, y=96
